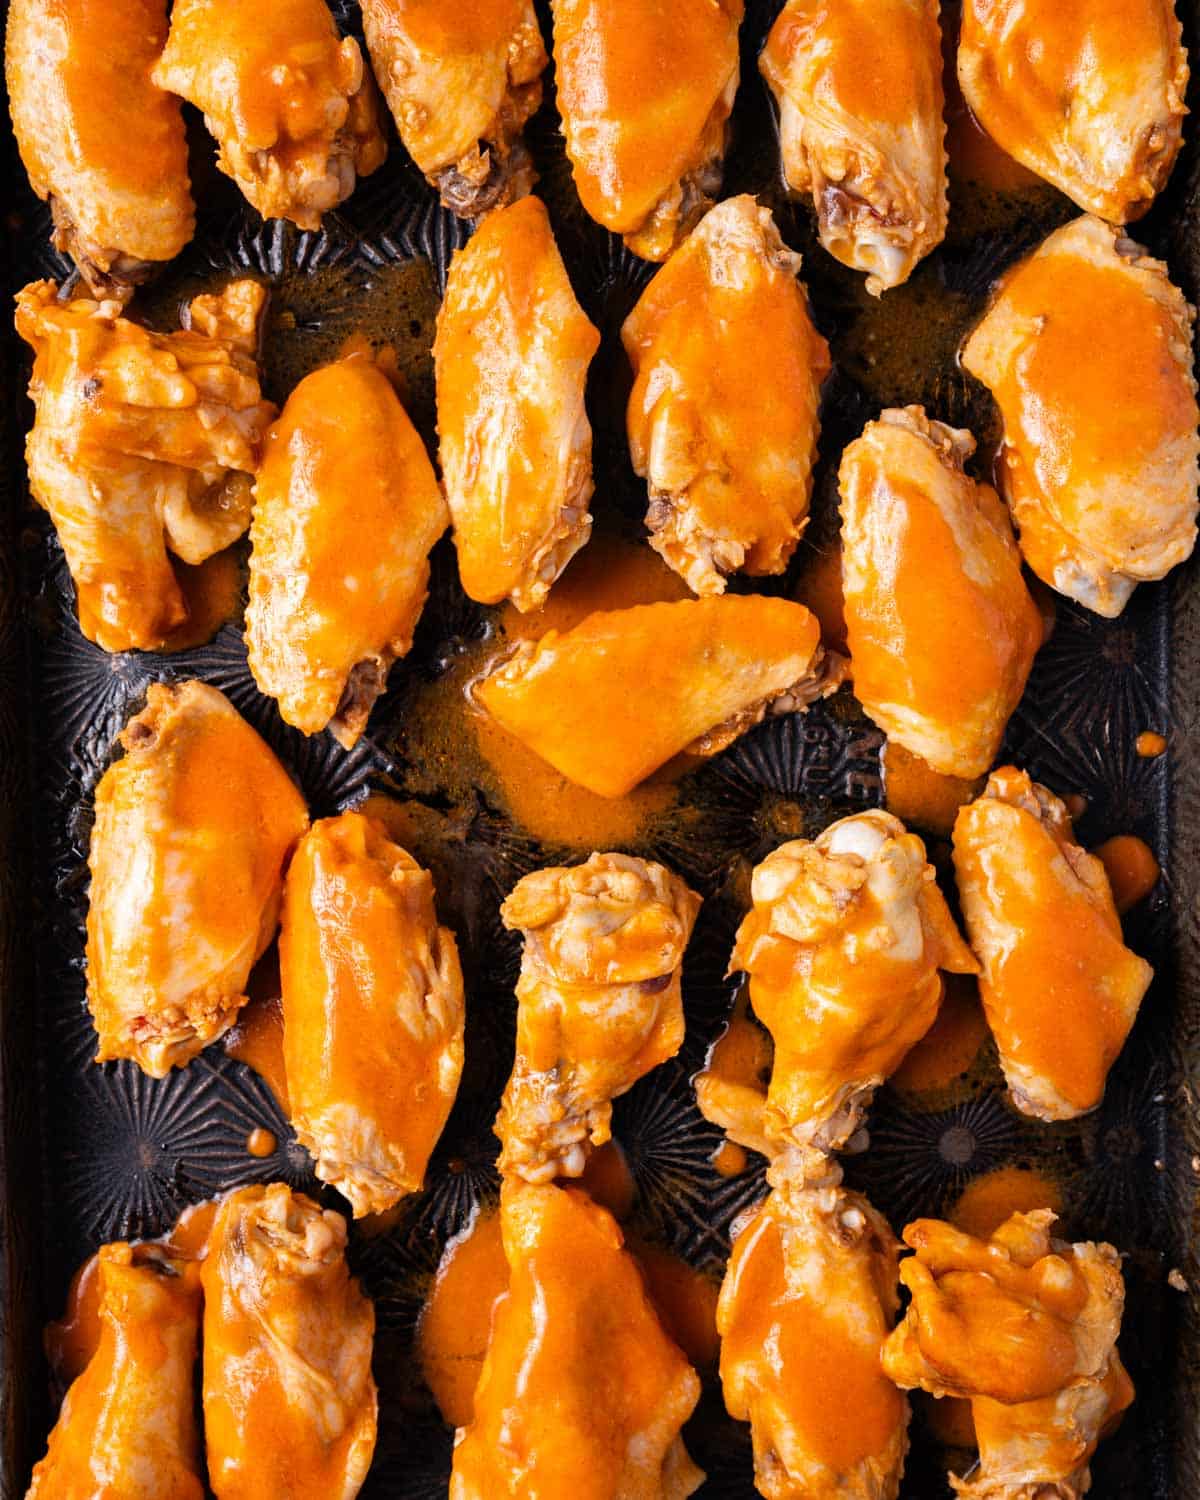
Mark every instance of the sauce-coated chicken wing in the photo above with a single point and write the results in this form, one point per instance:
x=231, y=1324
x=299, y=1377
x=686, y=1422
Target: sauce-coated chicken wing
x=859, y=89
x=143, y=445
x=723, y=412
x=511, y=358
x=843, y=947
x=461, y=78
x=1088, y=96
x=290, y=103
x=599, y=1003
x=611, y=700
x=1087, y=348
x=372, y=1010
x=193, y=828
x=582, y=1394
x=127, y=1429
x=100, y=141
x=1026, y=1327
x=289, y=1402
x=941, y=628
x=346, y=510
x=1060, y=988
x=809, y=1297
x=645, y=93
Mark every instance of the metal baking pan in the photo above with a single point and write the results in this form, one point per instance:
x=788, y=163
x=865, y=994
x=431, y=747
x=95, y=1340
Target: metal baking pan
x=94, y=1153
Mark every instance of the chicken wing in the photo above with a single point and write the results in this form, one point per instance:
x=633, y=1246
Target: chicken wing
x=1060, y=988
x=599, y=1003
x=843, y=946
x=723, y=413
x=511, y=358
x=289, y=1402
x=941, y=629
x=193, y=829
x=290, y=104
x=859, y=89
x=127, y=1427
x=1090, y=97
x=1026, y=1327
x=461, y=80
x=143, y=445
x=101, y=143
x=372, y=1010
x=810, y=1294
x=1099, y=464
x=346, y=510
x=582, y=1394
x=611, y=700
x=645, y=93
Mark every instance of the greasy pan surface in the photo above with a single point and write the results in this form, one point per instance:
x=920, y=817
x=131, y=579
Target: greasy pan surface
x=97, y=1153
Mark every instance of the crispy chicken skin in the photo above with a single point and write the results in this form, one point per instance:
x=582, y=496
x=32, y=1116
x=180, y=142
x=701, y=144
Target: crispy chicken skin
x=1088, y=96
x=346, y=510
x=1026, y=1327
x=809, y=1296
x=625, y=690
x=372, y=1010
x=100, y=141
x=461, y=79
x=723, y=413
x=193, y=828
x=1099, y=463
x=289, y=1402
x=511, y=359
x=599, y=1003
x=1060, y=988
x=127, y=1429
x=843, y=948
x=143, y=445
x=645, y=93
x=582, y=1394
x=859, y=89
x=941, y=628
x=289, y=102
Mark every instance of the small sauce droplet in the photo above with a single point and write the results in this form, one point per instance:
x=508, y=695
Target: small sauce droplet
x=950, y=1045
x=1132, y=869
x=1150, y=744
x=1075, y=804
x=608, y=1180
x=261, y=1142
x=730, y=1159
x=920, y=796
x=212, y=591
x=987, y=1202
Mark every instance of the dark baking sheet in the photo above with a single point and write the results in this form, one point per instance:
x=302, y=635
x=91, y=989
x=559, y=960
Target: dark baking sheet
x=92, y=1154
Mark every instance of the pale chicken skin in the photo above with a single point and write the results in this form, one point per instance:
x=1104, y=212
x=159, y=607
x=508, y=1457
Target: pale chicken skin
x=127, y=1427
x=290, y=103
x=722, y=417
x=142, y=448
x=346, y=510
x=940, y=626
x=511, y=358
x=859, y=89
x=598, y=1003
x=461, y=80
x=1060, y=988
x=582, y=1394
x=623, y=692
x=289, y=1402
x=810, y=1294
x=372, y=1010
x=1100, y=458
x=1090, y=97
x=843, y=947
x=1025, y=1326
x=193, y=828
x=645, y=93
x=101, y=142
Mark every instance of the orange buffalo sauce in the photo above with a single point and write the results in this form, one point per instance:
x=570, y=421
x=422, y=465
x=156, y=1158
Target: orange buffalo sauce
x=684, y=1298
x=212, y=592
x=951, y=1044
x=949, y=1419
x=1132, y=869
x=1150, y=744
x=261, y=1142
x=730, y=1159
x=920, y=796
x=819, y=588
x=257, y=1040
x=608, y=1180
x=990, y=1200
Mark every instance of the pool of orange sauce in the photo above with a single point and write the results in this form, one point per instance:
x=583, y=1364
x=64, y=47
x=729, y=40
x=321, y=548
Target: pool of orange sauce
x=608, y=1180
x=951, y=1044
x=213, y=593
x=1132, y=869
x=257, y=1037
x=989, y=1200
x=973, y=156
x=920, y=796
x=819, y=588
x=1150, y=744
